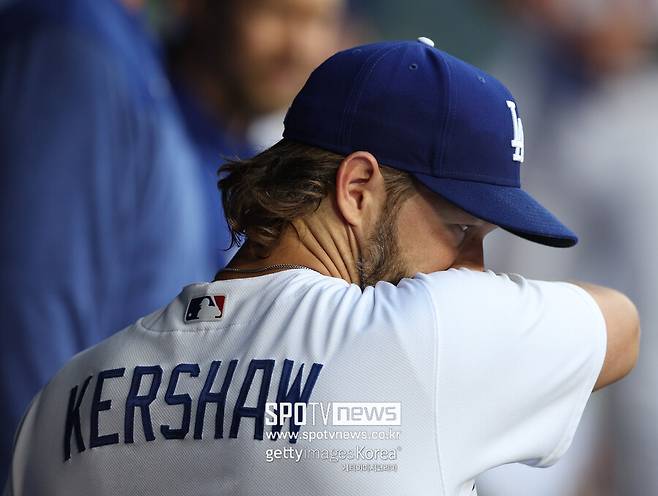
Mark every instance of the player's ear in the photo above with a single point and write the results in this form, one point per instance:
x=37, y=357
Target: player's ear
x=360, y=189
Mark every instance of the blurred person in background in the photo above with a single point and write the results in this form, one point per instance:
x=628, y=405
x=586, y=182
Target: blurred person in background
x=100, y=212
x=235, y=67
x=587, y=87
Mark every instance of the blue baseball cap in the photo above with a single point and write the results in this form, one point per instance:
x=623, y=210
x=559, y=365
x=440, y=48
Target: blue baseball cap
x=452, y=126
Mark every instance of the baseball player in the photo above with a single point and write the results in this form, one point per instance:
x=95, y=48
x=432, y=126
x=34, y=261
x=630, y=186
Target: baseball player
x=355, y=344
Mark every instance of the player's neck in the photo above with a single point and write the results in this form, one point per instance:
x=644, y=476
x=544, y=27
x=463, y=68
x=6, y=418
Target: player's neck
x=318, y=242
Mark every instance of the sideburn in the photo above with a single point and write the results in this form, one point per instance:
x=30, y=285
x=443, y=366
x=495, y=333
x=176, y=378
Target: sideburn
x=382, y=260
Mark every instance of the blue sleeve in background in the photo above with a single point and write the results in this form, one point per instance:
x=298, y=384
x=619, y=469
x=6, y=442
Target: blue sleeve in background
x=101, y=217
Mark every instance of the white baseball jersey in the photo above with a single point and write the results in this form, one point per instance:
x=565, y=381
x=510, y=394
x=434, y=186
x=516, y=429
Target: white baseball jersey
x=295, y=383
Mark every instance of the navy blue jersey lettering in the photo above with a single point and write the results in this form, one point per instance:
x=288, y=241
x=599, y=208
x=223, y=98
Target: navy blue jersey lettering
x=134, y=401
x=98, y=406
x=292, y=389
x=72, y=423
x=295, y=394
x=219, y=398
x=257, y=412
x=179, y=399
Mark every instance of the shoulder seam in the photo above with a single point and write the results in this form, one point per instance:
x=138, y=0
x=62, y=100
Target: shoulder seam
x=435, y=367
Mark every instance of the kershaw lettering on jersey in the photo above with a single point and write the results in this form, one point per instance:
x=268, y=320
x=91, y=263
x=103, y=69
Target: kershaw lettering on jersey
x=214, y=391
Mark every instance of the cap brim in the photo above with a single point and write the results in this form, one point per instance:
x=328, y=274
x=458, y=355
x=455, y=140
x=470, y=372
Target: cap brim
x=508, y=207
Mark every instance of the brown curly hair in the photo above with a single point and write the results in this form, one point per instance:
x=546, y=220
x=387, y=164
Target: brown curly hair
x=261, y=196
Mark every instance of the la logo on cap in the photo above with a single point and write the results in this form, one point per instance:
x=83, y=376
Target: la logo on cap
x=517, y=141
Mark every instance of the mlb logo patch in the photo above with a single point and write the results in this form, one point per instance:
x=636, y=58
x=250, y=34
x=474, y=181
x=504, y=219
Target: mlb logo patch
x=205, y=308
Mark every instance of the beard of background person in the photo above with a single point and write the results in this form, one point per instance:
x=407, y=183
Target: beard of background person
x=248, y=58
x=275, y=46
x=381, y=260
